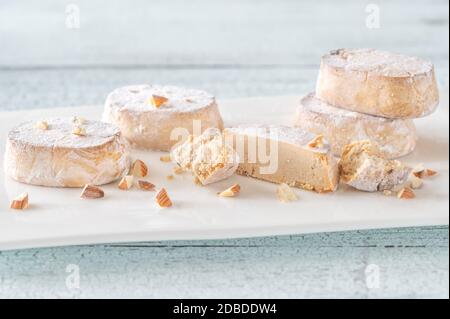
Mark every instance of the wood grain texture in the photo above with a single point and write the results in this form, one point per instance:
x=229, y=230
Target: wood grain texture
x=214, y=32
x=412, y=263
x=233, y=49
x=43, y=88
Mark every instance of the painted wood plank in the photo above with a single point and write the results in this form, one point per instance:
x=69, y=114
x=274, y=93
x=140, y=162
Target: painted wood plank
x=43, y=88
x=410, y=263
x=213, y=32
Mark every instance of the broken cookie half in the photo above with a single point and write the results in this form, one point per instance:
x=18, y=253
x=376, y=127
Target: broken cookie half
x=207, y=156
x=282, y=154
x=362, y=167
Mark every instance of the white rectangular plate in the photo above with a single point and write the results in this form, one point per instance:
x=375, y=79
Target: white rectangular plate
x=59, y=217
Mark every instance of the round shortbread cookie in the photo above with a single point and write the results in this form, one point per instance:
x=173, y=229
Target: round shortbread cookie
x=393, y=137
x=66, y=152
x=150, y=126
x=378, y=83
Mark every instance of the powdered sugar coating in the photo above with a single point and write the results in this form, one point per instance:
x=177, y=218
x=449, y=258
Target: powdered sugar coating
x=60, y=133
x=393, y=137
x=378, y=62
x=58, y=158
x=312, y=104
x=149, y=127
x=287, y=134
x=136, y=98
x=363, y=168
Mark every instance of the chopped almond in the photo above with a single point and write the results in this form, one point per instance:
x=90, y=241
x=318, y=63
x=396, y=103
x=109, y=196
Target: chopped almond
x=43, y=125
x=162, y=198
x=20, y=202
x=146, y=186
x=139, y=169
x=126, y=182
x=430, y=172
x=231, y=191
x=178, y=170
x=165, y=158
x=419, y=174
x=78, y=130
x=170, y=177
x=414, y=182
x=285, y=193
x=92, y=192
x=78, y=120
x=406, y=193
x=317, y=142
x=425, y=173
x=157, y=100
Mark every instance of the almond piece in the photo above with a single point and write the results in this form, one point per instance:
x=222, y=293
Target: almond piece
x=230, y=191
x=157, y=100
x=126, y=182
x=43, y=125
x=165, y=158
x=418, y=168
x=178, y=170
x=285, y=193
x=430, y=172
x=414, y=182
x=420, y=174
x=146, y=186
x=317, y=142
x=406, y=193
x=162, y=198
x=170, y=177
x=139, y=169
x=79, y=131
x=424, y=173
x=78, y=120
x=20, y=202
x=92, y=192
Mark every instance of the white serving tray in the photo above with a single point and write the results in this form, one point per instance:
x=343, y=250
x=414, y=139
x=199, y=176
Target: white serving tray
x=59, y=217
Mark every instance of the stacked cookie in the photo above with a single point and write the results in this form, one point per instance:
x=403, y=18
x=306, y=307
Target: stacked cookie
x=372, y=95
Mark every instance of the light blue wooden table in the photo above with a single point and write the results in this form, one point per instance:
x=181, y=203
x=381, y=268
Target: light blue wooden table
x=53, y=55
